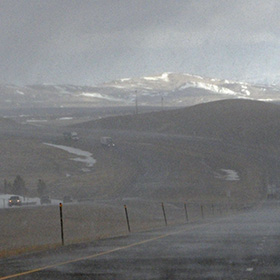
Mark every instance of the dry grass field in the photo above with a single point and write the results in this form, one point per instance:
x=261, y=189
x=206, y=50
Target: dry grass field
x=38, y=228
x=33, y=160
x=141, y=171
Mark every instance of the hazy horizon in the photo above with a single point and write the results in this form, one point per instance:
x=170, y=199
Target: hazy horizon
x=91, y=42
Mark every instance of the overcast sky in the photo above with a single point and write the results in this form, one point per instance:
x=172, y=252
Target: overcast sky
x=89, y=42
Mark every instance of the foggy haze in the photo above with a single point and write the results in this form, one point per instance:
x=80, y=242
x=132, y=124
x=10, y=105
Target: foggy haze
x=89, y=42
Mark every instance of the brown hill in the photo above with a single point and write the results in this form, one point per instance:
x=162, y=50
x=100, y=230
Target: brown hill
x=251, y=122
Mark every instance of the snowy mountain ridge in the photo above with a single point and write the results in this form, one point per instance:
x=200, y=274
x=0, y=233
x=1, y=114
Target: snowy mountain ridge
x=174, y=89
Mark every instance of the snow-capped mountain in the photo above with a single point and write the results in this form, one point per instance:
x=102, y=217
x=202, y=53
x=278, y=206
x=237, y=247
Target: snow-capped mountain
x=168, y=89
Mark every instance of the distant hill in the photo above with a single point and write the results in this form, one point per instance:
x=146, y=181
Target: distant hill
x=7, y=123
x=162, y=90
x=253, y=122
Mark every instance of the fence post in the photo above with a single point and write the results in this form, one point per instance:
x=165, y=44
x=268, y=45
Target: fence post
x=127, y=219
x=164, y=215
x=202, y=213
x=61, y=224
x=212, y=208
x=186, y=212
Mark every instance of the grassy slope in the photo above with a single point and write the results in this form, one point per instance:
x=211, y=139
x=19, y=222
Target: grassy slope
x=240, y=122
x=186, y=171
x=232, y=120
x=33, y=160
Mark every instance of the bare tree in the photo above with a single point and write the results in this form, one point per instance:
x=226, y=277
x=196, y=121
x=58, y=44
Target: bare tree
x=41, y=187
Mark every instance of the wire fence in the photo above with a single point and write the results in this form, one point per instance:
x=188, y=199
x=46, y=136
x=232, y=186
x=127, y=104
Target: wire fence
x=32, y=228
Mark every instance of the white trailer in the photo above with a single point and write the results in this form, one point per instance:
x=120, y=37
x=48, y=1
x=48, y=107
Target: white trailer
x=107, y=141
x=71, y=136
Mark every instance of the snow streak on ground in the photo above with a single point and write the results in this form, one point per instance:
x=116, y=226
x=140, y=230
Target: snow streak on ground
x=228, y=175
x=66, y=118
x=98, y=95
x=85, y=157
x=20, y=92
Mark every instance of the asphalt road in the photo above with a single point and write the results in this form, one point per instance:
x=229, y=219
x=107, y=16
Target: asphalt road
x=240, y=246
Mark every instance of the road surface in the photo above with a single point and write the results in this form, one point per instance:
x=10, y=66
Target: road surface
x=240, y=246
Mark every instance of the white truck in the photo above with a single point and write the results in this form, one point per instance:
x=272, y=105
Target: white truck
x=71, y=136
x=107, y=141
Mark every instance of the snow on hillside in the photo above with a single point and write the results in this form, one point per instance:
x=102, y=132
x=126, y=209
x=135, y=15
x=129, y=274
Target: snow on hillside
x=210, y=87
x=181, y=89
x=20, y=92
x=228, y=175
x=98, y=95
x=85, y=157
x=164, y=77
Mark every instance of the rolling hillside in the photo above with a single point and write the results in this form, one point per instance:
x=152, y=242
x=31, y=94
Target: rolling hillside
x=161, y=168
x=163, y=90
x=250, y=122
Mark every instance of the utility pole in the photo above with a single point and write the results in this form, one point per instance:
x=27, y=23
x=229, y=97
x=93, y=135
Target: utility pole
x=136, y=102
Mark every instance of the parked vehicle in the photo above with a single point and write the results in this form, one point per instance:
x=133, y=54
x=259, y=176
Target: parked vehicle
x=15, y=201
x=71, y=136
x=107, y=141
x=45, y=199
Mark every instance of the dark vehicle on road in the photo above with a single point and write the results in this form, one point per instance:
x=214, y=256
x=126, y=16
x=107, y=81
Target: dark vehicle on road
x=45, y=200
x=107, y=142
x=15, y=201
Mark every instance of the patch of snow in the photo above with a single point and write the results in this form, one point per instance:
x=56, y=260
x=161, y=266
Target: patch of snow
x=164, y=77
x=245, y=97
x=36, y=121
x=98, y=95
x=228, y=175
x=194, y=76
x=266, y=100
x=85, y=157
x=198, y=77
x=210, y=87
x=66, y=118
x=92, y=94
x=85, y=170
x=20, y=92
x=61, y=89
x=243, y=83
x=118, y=86
x=186, y=85
x=125, y=79
x=250, y=269
x=11, y=86
x=215, y=88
